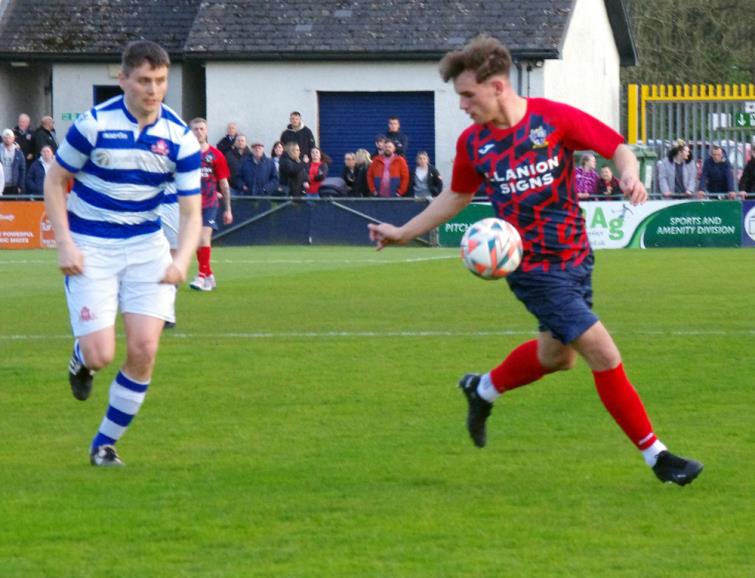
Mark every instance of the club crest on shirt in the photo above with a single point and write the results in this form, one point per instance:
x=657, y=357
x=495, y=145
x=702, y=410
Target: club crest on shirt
x=538, y=137
x=86, y=314
x=160, y=148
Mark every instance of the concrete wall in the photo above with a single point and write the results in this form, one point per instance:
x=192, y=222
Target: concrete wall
x=23, y=89
x=73, y=89
x=587, y=76
x=260, y=96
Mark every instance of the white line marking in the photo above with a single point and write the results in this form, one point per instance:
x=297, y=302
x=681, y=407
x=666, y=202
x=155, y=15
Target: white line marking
x=381, y=334
x=337, y=261
x=375, y=261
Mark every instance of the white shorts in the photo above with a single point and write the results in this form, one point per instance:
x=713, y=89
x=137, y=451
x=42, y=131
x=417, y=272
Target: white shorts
x=169, y=217
x=120, y=276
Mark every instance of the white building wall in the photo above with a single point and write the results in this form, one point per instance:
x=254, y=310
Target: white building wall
x=23, y=89
x=260, y=96
x=73, y=89
x=587, y=76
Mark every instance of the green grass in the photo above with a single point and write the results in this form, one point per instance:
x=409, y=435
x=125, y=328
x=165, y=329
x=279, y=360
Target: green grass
x=303, y=422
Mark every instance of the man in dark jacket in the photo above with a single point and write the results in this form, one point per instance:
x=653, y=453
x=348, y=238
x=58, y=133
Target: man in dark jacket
x=235, y=157
x=747, y=181
x=45, y=136
x=25, y=137
x=258, y=174
x=300, y=134
x=399, y=138
x=717, y=178
x=228, y=141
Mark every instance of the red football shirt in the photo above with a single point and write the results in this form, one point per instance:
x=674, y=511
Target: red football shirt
x=527, y=172
x=214, y=168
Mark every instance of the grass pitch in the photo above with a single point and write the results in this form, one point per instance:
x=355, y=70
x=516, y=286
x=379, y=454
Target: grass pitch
x=303, y=421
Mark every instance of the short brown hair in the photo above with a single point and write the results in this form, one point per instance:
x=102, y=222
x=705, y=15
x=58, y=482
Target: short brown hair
x=483, y=55
x=140, y=51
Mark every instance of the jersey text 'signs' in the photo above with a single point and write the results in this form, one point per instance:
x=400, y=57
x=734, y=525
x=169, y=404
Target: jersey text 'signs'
x=527, y=172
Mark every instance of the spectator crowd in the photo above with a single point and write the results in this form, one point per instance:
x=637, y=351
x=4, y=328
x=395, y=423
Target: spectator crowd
x=297, y=167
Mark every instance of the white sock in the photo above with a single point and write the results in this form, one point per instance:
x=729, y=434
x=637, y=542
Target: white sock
x=486, y=390
x=650, y=454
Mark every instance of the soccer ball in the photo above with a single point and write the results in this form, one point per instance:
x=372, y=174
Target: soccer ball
x=491, y=248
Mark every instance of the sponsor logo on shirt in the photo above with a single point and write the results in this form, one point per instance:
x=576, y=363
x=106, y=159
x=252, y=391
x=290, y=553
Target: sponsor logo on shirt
x=116, y=135
x=525, y=177
x=485, y=149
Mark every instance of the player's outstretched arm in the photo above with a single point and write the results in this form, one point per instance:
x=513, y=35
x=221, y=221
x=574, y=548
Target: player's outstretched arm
x=70, y=259
x=629, y=169
x=189, y=231
x=445, y=206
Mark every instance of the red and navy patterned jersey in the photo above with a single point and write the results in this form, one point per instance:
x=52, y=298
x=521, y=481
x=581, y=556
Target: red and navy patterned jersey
x=214, y=168
x=527, y=172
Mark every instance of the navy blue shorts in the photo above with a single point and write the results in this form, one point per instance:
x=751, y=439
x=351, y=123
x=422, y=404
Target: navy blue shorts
x=209, y=218
x=560, y=300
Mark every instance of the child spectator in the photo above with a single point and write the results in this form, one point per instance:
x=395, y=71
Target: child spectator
x=608, y=185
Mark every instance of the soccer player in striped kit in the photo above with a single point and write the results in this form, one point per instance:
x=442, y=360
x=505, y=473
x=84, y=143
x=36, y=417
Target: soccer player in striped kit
x=122, y=154
x=520, y=152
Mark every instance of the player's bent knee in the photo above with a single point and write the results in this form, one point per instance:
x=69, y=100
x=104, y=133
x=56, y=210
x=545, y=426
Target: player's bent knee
x=562, y=361
x=142, y=351
x=97, y=352
x=97, y=358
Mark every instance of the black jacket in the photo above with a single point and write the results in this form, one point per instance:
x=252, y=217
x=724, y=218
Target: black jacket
x=43, y=137
x=400, y=140
x=434, y=181
x=747, y=181
x=293, y=175
x=303, y=137
x=361, y=189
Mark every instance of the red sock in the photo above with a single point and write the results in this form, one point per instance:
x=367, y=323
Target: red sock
x=520, y=368
x=621, y=400
x=203, y=257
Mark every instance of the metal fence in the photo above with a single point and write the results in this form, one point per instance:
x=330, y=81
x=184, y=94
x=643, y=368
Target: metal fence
x=702, y=115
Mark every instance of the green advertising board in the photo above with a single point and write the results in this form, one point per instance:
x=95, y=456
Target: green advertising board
x=618, y=224
x=696, y=224
x=450, y=233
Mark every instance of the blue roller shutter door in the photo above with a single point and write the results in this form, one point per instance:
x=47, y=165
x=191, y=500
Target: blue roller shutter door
x=350, y=120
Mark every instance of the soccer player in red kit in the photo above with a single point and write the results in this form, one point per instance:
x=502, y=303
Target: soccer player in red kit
x=215, y=175
x=520, y=152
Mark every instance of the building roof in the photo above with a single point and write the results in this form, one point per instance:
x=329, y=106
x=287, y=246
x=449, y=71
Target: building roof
x=92, y=29
x=290, y=29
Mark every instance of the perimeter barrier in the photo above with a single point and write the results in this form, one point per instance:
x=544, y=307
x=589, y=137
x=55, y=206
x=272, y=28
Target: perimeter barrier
x=610, y=224
x=317, y=221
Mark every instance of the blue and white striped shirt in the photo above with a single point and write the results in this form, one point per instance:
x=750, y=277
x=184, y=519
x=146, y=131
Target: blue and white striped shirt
x=121, y=173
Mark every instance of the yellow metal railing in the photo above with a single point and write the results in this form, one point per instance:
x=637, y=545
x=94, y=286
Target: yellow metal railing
x=638, y=95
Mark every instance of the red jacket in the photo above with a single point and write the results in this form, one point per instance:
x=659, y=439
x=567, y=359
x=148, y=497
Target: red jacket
x=399, y=172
